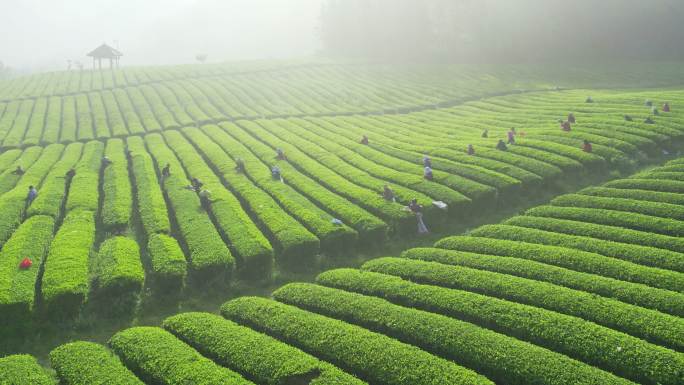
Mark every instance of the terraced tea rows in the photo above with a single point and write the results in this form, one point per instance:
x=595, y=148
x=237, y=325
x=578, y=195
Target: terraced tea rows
x=84, y=105
x=492, y=306
x=111, y=221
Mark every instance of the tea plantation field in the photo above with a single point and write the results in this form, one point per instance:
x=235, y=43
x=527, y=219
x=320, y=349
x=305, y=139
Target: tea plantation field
x=585, y=289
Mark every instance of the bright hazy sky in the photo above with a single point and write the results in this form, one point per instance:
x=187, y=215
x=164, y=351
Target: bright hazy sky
x=43, y=34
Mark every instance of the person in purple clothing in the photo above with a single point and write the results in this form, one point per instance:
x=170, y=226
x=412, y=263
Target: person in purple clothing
x=511, y=136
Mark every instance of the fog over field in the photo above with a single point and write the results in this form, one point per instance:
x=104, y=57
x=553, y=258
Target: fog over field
x=43, y=34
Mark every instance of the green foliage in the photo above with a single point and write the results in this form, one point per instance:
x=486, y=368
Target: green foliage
x=574, y=337
x=623, y=219
x=151, y=204
x=83, y=192
x=456, y=191
x=659, y=185
x=84, y=118
x=65, y=283
x=636, y=194
x=118, y=200
x=52, y=192
x=23, y=369
x=647, y=256
x=332, y=237
x=375, y=357
x=169, y=267
x=69, y=121
x=87, y=363
x=37, y=121
x=210, y=259
x=156, y=356
x=7, y=158
x=651, y=325
x=8, y=179
x=622, y=202
x=672, y=261
x=17, y=286
x=296, y=245
x=518, y=259
x=261, y=357
x=117, y=269
x=99, y=115
x=251, y=245
x=19, y=125
x=351, y=189
x=256, y=154
x=13, y=202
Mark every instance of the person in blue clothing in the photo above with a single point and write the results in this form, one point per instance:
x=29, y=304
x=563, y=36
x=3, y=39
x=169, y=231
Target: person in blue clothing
x=427, y=162
x=32, y=194
x=275, y=173
x=427, y=173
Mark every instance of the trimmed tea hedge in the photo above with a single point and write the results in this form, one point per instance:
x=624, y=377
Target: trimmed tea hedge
x=636, y=194
x=65, y=283
x=500, y=358
x=8, y=179
x=253, y=249
x=210, y=259
x=637, y=294
x=362, y=194
x=294, y=243
x=116, y=185
x=629, y=220
x=332, y=237
x=158, y=357
x=51, y=196
x=117, y=268
x=375, y=357
x=23, y=369
x=582, y=340
x=647, y=256
x=371, y=229
x=569, y=258
x=659, y=185
x=151, y=204
x=651, y=325
x=612, y=201
x=87, y=363
x=17, y=286
x=169, y=267
x=672, y=261
x=259, y=356
x=13, y=203
x=83, y=192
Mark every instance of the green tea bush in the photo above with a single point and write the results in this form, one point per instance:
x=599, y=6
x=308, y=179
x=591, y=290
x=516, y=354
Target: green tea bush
x=261, y=357
x=88, y=363
x=375, y=357
x=156, y=356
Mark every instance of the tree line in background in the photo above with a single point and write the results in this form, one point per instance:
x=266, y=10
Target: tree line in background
x=503, y=30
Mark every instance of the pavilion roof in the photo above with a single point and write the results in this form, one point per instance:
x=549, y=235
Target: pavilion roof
x=105, y=51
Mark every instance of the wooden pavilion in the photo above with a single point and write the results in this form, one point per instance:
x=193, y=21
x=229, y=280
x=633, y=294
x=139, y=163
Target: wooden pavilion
x=105, y=52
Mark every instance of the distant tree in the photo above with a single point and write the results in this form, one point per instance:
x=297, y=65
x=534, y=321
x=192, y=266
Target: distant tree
x=503, y=30
x=202, y=57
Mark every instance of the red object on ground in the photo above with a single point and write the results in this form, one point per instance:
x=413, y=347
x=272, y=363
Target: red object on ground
x=25, y=263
